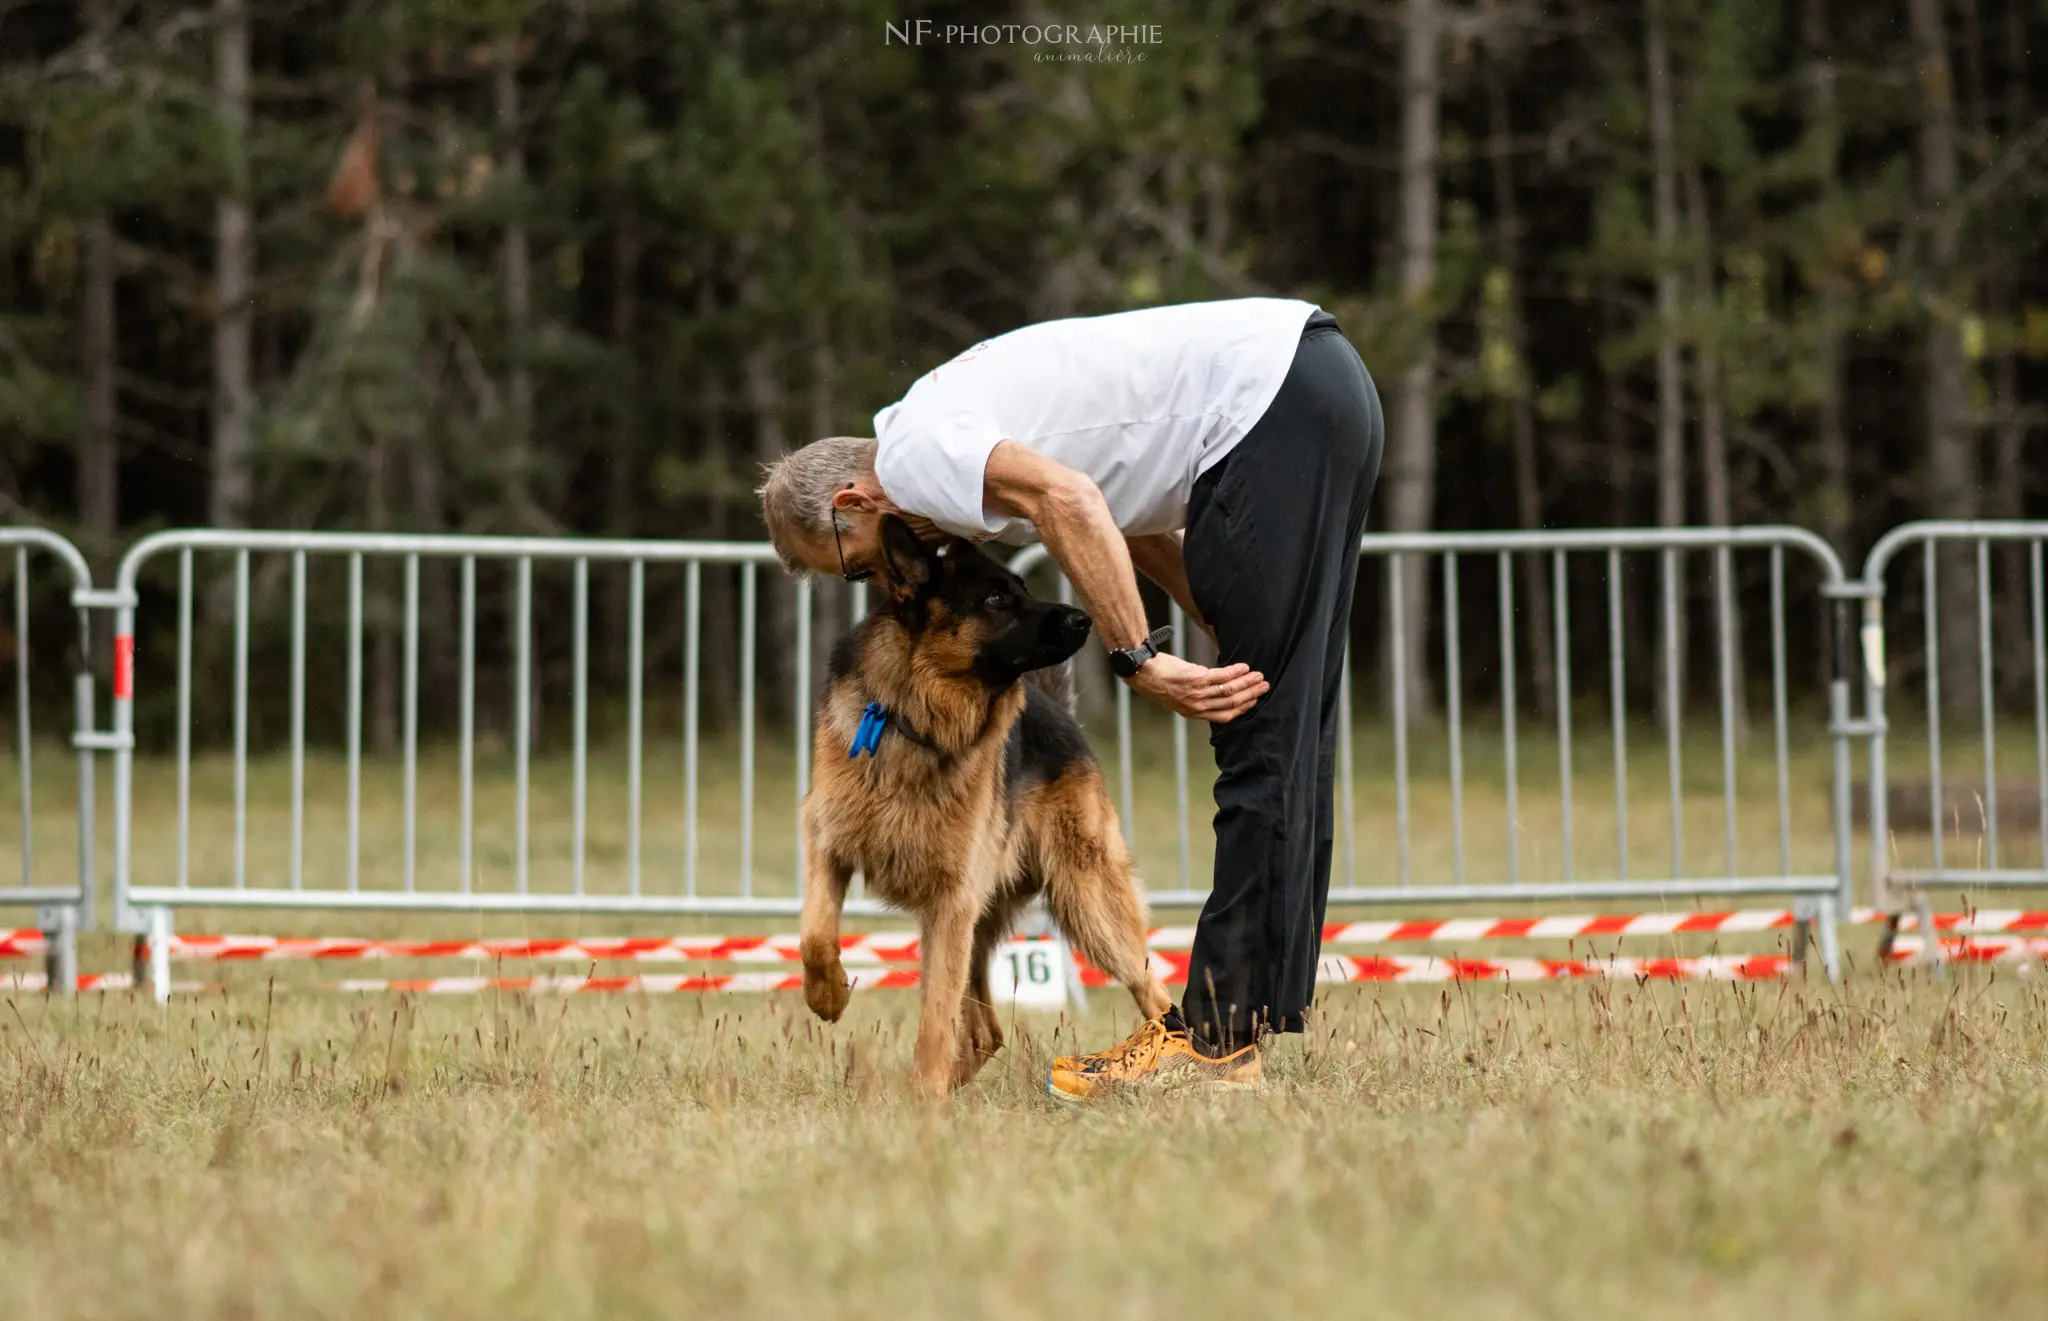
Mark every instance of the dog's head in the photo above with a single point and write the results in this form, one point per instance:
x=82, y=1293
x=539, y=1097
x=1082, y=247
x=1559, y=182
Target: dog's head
x=971, y=615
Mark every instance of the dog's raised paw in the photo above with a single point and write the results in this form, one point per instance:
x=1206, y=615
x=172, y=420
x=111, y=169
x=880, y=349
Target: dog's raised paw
x=826, y=991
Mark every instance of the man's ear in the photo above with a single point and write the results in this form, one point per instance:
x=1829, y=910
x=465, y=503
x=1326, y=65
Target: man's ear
x=908, y=563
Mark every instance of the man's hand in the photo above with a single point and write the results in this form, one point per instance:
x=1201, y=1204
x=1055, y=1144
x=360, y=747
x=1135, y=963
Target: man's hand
x=1198, y=692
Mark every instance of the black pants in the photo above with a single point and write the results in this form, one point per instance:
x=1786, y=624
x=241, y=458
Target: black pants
x=1272, y=555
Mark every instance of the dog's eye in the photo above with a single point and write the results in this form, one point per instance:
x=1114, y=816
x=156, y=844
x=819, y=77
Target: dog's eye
x=998, y=600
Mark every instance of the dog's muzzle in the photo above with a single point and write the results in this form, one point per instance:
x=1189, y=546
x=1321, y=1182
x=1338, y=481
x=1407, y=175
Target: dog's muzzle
x=1067, y=626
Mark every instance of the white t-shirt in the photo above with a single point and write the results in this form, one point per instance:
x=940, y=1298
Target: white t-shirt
x=1142, y=402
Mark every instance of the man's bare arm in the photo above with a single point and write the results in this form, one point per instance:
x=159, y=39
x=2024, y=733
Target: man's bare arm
x=1074, y=521
x=1158, y=557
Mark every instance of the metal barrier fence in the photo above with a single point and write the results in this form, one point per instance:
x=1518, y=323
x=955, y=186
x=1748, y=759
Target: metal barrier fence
x=566, y=882
x=1822, y=892
x=2008, y=633
x=62, y=908
x=240, y=835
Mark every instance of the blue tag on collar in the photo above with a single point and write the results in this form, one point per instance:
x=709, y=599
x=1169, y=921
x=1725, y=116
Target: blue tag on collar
x=868, y=737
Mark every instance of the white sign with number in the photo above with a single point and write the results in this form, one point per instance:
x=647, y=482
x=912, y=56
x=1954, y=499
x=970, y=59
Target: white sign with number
x=1030, y=972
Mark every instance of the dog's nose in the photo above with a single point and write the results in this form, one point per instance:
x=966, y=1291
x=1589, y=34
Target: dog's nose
x=1071, y=625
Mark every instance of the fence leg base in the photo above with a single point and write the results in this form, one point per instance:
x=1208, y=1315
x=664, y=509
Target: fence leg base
x=1889, y=937
x=60, y=944
x=1930, y=939
x=1814, y=919
x=159, y=938
x=1830, y=941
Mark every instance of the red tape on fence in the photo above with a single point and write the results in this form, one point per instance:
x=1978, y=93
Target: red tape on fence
x=884, y=960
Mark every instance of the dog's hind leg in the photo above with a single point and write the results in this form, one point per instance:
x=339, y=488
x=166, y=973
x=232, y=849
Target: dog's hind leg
x=825, y=880
x=1101, y=914
x=1093, y=889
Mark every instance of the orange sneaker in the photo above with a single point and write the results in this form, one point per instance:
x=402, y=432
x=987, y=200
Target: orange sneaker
x=1156, y=1055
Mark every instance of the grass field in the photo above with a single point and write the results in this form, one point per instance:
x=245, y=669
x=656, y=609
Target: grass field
x=1875, y=1151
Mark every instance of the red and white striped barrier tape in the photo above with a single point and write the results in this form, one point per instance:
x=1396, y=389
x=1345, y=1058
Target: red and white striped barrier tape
x=1332, y=969
x=872, y=949
x=901, y=947
x=1974, y=949
x=887, y=948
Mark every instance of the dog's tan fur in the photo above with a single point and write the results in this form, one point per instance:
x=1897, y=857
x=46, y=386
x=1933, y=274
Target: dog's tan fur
x=935, y=832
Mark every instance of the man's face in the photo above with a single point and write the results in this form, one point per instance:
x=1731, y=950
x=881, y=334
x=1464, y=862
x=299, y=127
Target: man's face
x=857, y=550
x=853, y=548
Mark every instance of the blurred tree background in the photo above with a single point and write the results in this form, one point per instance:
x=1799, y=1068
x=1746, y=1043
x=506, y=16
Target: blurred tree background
x=578, y=266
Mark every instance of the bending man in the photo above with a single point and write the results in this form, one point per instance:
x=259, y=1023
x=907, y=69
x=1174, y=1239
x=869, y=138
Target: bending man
x=1228, y=452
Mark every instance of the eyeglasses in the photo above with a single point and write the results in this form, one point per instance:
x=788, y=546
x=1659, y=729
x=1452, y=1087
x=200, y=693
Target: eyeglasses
x=860, y=576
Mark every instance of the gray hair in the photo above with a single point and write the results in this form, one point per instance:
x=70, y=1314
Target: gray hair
x=796, y=491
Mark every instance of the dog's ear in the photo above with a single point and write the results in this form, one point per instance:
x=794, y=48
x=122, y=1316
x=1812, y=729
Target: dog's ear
x=908, y=564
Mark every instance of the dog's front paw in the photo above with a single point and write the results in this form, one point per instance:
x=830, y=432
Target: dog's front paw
x=826, y=990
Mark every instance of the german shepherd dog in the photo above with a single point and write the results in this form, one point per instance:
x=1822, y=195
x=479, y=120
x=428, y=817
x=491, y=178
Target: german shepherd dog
x=974, y=794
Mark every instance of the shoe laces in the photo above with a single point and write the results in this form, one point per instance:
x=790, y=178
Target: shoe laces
x=1151, y=1034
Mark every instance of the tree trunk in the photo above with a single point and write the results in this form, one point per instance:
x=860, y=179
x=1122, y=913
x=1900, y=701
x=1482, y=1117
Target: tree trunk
x=1411, y=470
x=519, y=380
x=1521, y=407
x=379, y=607
x=233, y=260
x=1614, y=417
x=99, y=454
x=518, y=278
x=1707, y=356
x=830, y=599
x=2012, y=638
x=98, y=444
x=719, y=629
x=1834, y=504
x=1621, y=475
x=441, y=658
x=1670, y=401
x=98, y=351
x=623, y=514
x=1951, y=462
x=1714, y=485
x=774, y=634
x=2009, y=475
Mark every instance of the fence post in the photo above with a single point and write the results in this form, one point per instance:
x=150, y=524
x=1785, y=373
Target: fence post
x=88, y=796
x=59, y=924
x=125, y=919
x=1839, y=724
x=159, y=923
x=1874, y=713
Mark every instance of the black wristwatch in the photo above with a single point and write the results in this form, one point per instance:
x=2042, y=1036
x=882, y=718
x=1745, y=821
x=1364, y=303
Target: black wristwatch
x=1126, y=661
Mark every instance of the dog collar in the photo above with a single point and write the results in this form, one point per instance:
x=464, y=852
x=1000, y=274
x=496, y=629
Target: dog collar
x=874, y=718
x=869, y=736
